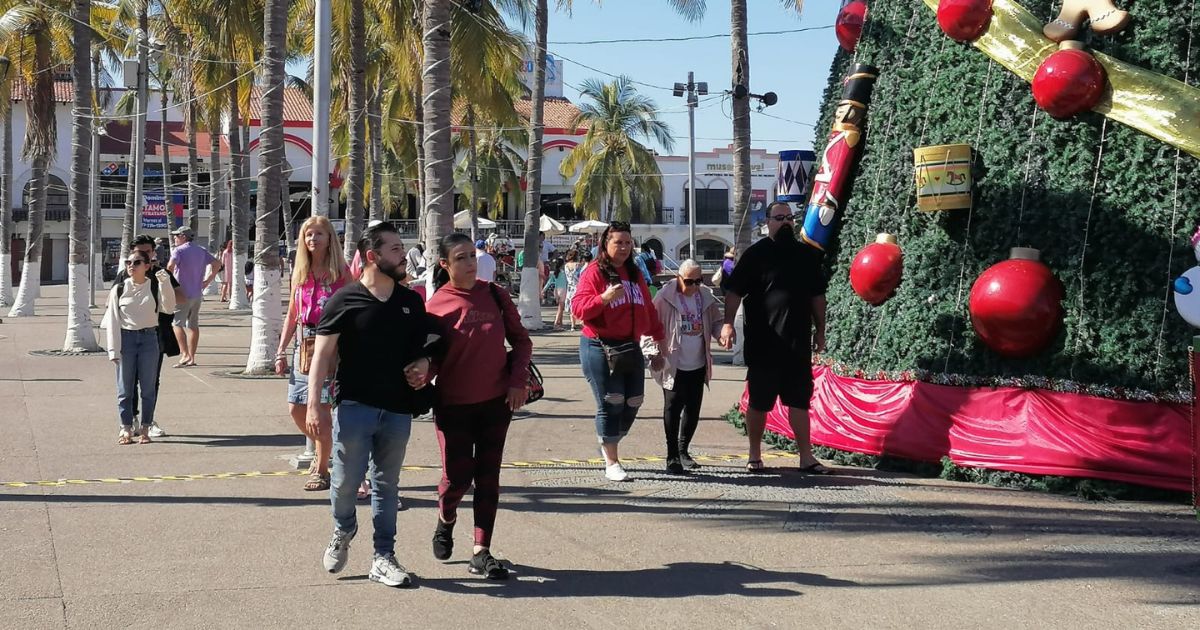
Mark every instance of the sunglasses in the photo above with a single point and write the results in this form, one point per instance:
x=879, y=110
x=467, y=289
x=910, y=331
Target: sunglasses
x=780, y=218
x=691, y=282
x=133, y=263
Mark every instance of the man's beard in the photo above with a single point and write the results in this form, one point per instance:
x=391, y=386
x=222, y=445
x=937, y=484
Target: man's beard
x=785, y=234
x=393, y=271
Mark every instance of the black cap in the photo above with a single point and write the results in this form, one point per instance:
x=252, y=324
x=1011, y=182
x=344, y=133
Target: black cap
x=860, y=83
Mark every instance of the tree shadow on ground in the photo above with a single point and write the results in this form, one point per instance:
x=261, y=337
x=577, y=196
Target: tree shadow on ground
x=678, y=579
x=282, y=439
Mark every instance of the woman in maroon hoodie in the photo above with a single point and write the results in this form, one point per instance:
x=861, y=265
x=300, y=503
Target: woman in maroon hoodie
x=478, y=388
x=614, y=303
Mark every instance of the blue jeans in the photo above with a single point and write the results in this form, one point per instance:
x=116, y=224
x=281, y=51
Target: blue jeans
x=362, y=433
x=138, y=369
x=618, y=396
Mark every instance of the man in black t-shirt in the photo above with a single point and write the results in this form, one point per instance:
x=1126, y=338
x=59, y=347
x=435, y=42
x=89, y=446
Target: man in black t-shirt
x=783, y=286
x=369, y=331
x=167, y=344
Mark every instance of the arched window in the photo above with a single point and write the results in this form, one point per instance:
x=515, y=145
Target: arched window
x=57, y=208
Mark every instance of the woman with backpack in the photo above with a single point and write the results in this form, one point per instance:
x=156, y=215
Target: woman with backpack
x=131, y=322
x=319, y=272
x=479, y=386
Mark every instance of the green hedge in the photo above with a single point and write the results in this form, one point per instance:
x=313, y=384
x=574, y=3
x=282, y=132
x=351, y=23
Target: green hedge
x=1116, y=251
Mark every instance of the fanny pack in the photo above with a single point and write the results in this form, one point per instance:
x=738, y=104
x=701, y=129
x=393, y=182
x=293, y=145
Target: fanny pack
x=623, y=357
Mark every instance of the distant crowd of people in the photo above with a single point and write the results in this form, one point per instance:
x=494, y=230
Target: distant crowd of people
x=364, y=354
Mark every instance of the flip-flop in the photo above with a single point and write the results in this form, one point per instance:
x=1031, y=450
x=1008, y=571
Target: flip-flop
x=816, y=469
x=755, y=466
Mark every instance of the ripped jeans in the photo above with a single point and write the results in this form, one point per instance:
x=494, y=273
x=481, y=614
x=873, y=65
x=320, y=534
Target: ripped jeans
x=618, y=396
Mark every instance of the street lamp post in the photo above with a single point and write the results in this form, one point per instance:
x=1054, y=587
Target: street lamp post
x=693, y=90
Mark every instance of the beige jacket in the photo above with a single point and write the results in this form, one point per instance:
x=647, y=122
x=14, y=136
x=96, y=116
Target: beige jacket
x=667, y=305
x=111, y=322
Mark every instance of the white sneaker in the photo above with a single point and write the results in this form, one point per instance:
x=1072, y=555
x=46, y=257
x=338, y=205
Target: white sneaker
x=156, y=431
x=388, y=572
x=615, y=472
x=338, y=551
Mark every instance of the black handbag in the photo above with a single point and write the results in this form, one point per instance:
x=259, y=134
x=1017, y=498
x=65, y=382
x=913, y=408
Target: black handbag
x=535, y=388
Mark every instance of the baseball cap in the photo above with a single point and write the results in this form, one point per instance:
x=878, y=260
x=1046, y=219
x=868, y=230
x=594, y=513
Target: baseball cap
x=183, y=230
x=479, y=244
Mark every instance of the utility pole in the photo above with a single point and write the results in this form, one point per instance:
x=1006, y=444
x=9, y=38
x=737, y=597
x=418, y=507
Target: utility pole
x=139, y=145
x=693, y=90
x=321, y=75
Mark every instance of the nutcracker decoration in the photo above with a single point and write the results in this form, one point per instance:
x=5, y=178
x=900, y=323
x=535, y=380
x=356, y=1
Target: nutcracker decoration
x=832, y=183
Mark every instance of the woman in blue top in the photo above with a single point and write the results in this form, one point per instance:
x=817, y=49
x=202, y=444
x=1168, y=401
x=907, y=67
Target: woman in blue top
x=558, y=280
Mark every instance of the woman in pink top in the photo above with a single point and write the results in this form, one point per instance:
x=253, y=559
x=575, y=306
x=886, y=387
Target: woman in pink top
x=319, y=272
x=479, y=386
x=227, y=270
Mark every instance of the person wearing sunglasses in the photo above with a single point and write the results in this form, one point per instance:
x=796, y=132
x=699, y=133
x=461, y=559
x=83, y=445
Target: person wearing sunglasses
x=131, y=322
x=781, y=281
x=691, y=318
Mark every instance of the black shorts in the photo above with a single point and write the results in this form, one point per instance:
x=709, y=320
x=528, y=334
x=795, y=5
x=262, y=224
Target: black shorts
x=793, y=386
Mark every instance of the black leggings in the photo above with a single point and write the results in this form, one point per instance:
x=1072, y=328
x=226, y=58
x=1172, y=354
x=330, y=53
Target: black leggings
x=684, y=400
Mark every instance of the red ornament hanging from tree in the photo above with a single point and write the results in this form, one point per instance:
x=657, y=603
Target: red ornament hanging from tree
x=876, y=270
x=964, y=20
x=1016, y=305
x=1069, y=81
x=849, y=24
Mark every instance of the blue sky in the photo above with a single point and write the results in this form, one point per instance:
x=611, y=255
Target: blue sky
x=794, y=66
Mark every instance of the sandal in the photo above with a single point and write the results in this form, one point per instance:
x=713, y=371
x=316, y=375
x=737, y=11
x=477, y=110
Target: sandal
x=144, y=438
x=316, y=482
x=364, y=492
x=755, y=466
x=124, y=437
x=816, y=469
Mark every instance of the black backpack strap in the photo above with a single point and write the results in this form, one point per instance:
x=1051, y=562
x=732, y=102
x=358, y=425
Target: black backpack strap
x=153, y=290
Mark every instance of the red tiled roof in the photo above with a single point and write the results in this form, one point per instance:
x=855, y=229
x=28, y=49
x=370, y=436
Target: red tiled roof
x=64, y=92
x=297, y=107
x=558, y=113
x=118, y=135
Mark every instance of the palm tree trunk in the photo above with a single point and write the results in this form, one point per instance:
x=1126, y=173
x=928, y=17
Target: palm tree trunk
x=741, y=125
x=435, y=97
x=97, y=213
x=6, y=176
x=530, y=302
x=80, y=336
x=418, y=139
x=240, y=192
x=216, y=186
x=473, y=165
x=374, y=128
x=193, y=187
x=268, y=316
x=41, y=137
x=355, y=178
x=165, y=153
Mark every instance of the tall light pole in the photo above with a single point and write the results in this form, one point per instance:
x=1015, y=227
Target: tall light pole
x=321, y=76
x=94, y=184
x=693, y=90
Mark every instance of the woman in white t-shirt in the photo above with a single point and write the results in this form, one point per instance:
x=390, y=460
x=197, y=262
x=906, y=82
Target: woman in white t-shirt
x=131, y=323
x=691, y=317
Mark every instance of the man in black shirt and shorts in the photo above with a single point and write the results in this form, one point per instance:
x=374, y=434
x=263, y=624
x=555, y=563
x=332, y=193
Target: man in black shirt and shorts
x=369, y=330
x=781, y=281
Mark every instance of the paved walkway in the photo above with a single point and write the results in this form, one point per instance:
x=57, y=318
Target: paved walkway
x=214, y=531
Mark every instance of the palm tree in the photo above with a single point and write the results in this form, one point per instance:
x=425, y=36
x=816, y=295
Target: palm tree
x=137, y=156
x=531, y=282
x=618, y=172
x=34, y=24
x=694, y=9
x=6, y=173
x=490, y=164
x=435, y=96
x=357, y=93
x=80, y=336
x=268, y=318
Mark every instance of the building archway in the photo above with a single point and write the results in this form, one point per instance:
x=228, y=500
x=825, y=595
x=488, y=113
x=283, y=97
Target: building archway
x=57, y=206
x=655, y=245
x=710, y=249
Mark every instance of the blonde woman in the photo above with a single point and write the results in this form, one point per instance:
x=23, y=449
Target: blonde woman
x=319, y=272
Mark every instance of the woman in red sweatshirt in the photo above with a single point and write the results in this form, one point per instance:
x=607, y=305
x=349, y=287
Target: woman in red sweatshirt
x=613, y=302
x=478, y=391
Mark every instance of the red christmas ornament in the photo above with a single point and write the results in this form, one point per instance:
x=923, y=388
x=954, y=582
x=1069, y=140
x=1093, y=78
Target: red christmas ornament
x=876, y=270
x=1069, y=81
x=849, y=24
x=1016, y=305
x=964, y=20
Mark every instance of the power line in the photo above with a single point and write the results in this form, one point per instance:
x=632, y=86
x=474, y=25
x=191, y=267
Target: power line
x=635, y=40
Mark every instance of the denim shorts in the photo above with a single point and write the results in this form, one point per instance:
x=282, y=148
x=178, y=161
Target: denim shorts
x=298, y=383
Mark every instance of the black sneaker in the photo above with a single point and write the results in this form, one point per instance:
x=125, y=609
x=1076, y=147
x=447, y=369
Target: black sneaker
x=674, y=467
x=688, y=462
x=443, y=540
x=483, y=563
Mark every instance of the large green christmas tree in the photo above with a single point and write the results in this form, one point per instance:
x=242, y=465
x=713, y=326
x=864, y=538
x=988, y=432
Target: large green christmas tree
x=1110, y=209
